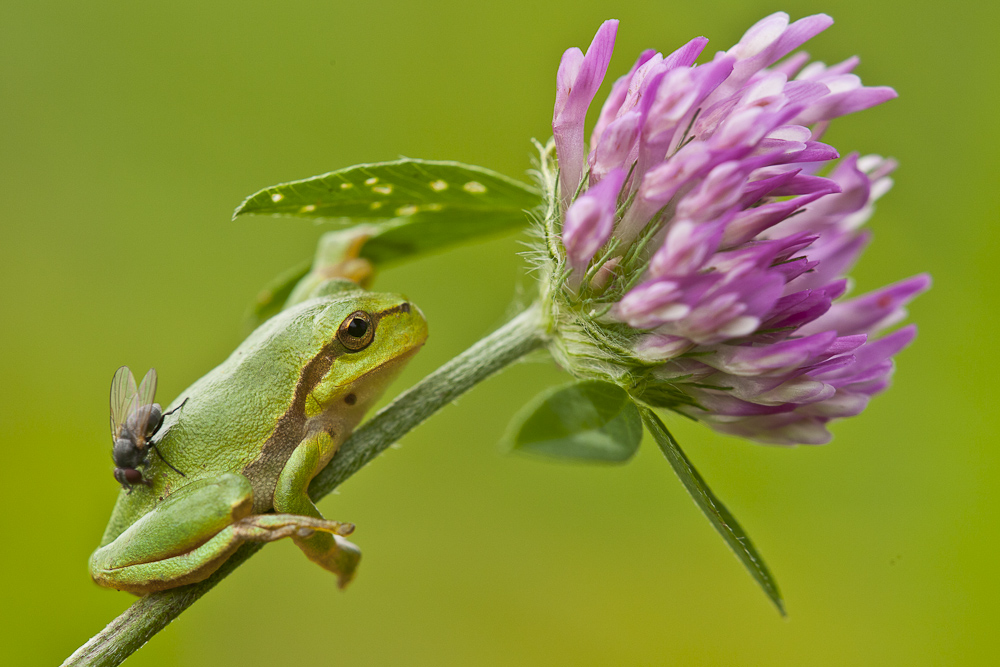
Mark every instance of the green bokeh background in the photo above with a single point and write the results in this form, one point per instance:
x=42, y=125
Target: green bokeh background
x=129, y=132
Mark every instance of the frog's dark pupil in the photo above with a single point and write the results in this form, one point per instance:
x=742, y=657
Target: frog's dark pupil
x=357, y=328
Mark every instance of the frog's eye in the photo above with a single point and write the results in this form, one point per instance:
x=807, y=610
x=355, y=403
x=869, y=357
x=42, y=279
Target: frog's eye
x=356, y=331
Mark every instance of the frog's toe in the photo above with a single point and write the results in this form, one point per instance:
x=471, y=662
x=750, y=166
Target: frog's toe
x=270, y=527
x=345, y=561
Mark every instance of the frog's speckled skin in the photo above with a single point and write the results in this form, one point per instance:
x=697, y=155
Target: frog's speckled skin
x=249, y=438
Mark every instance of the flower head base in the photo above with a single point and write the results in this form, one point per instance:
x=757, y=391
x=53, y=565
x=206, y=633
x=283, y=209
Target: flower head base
x=696, y=251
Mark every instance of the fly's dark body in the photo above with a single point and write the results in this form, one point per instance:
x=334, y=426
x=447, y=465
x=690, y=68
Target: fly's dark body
x=135, y=419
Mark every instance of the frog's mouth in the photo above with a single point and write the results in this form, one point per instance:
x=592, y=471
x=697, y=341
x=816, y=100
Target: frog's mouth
x=340, y=407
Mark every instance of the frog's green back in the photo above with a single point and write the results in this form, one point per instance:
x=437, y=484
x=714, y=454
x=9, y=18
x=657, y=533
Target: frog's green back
x=230, y=413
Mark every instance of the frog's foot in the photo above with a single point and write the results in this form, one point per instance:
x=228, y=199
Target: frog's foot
x=321, y=540
x=326, y=548
x=270, y=527
x=331, y=552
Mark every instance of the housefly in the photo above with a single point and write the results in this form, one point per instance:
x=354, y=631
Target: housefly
x=135, y=418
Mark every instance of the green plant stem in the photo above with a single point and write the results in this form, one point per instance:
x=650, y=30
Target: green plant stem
x=151, y=613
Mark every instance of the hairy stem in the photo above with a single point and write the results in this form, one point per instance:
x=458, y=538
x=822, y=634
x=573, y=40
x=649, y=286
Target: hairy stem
x=151, y=613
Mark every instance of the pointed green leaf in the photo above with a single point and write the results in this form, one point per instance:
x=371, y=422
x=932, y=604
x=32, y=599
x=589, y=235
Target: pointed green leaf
x=717, y=514
x=584, y=421
x=425, y=205
x=383, y=190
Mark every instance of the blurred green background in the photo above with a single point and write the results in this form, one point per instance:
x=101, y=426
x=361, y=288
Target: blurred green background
x=129, y=133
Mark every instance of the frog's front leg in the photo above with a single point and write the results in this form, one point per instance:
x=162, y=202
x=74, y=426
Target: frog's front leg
x=291, y=495
x=190, y=534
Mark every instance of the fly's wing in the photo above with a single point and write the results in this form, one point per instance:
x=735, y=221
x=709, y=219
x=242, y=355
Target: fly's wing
x=144, y=406
x=123, y=400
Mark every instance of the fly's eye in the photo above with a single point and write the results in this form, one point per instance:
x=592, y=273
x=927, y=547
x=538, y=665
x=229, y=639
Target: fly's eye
x=356, y=331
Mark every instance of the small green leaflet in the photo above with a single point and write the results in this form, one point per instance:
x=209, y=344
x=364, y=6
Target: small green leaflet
x=590, y=420
x=424, y=205
x=271, y=299
x=712, y=507
x=401, y=239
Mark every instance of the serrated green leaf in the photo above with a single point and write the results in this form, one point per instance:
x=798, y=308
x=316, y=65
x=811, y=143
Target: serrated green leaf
x=584, y=421
x=712, y=507
x=425, y=205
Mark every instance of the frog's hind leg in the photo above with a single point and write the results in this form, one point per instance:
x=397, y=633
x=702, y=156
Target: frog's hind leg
x=190, y=534
x=327, y=549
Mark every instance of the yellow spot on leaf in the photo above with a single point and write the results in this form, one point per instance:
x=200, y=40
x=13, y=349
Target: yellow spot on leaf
x=433, y=207
x=371, y=181
x=406, y=210
x=438, y=186
x=382, y=189
x=376, y=205
x=346, y=186
x=276, y=197
x=309, y=208
x=474, y=187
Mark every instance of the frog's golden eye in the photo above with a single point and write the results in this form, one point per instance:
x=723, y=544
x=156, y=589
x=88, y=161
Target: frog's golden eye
x=356, y=331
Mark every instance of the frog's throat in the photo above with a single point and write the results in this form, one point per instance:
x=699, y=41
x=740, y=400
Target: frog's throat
x=263, y=471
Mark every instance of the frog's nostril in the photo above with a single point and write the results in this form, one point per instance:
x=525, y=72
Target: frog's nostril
x=405, y=307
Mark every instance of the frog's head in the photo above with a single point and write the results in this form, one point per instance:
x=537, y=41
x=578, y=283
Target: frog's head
x=362, y=341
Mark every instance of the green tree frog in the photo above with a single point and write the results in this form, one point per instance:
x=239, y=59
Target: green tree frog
x=250, y=435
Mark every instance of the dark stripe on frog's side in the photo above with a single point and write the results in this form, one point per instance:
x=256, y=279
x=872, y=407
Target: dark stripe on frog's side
x=263, y=471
